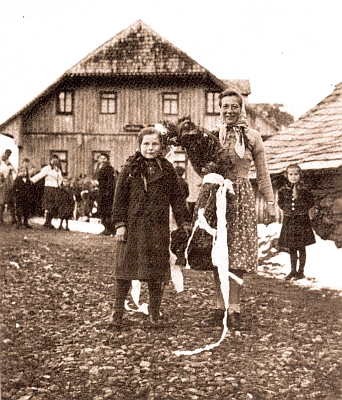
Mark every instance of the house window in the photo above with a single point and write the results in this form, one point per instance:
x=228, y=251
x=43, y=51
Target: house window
x=63, y=160
x=108, y=102
x=212, y=103
x=170, y=103
x=65, y=102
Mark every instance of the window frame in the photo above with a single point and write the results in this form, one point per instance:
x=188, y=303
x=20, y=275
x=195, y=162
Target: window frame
x=64, y=162
x=102, y=99
x=170, y=101
x=59, y=102
x=214, y=102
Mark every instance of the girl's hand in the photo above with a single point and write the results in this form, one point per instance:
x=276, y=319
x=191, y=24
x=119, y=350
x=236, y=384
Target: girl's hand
x=121, y=234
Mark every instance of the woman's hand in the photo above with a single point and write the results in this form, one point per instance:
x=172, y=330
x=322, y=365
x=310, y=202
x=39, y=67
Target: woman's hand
x=121, y=234
x=270, y=214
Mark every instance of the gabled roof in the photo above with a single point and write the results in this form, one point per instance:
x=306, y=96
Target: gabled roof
x=135, y=51
x=314, y=141
x=138, y=50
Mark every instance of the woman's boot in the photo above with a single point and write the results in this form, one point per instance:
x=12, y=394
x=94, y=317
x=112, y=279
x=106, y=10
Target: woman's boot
x=300, y=273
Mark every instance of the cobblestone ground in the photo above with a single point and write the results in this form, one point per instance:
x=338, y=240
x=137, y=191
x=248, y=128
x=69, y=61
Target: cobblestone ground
x=57, y=293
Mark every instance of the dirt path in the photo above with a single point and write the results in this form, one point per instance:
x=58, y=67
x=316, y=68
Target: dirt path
x=57, y=291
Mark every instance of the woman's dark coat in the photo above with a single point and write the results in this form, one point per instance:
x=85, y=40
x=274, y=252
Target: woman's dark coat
x=106, y=179
x=296, y=231
x=145, y=213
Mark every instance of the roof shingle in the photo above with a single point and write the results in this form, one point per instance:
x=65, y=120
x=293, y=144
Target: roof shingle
x=314, y=141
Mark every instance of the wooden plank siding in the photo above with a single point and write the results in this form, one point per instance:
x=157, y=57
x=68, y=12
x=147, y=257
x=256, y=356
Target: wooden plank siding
x=87, y=130
x=135, y=106
x=79, y=148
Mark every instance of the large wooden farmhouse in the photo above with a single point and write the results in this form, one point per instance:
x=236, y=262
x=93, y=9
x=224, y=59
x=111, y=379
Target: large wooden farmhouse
x=135, y=79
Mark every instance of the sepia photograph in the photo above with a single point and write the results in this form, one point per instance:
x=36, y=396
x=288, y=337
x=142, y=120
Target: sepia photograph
x=170, y=200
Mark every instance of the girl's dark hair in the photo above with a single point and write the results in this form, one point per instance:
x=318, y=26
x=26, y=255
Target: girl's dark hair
x=294, y=166
x=230, y=93
x=300, y=183
x=149, y=131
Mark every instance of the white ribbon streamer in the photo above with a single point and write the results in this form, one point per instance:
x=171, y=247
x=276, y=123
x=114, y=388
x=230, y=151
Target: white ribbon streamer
x=219, y=250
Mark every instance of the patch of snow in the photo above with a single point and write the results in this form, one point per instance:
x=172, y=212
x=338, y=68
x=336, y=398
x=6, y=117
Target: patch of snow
x=323, y=268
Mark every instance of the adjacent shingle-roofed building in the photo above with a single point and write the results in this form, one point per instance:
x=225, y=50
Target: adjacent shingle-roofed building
x=241, y=85
x=314, y=141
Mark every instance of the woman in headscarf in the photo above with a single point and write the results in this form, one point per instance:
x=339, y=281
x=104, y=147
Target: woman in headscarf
x=229, y=152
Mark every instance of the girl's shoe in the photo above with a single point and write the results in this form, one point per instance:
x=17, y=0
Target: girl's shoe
x=300, y=275
x=292, y=274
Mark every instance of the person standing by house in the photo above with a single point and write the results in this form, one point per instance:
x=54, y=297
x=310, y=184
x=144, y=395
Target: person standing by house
x=66, y=203
x=2, y=197
x=146, y=188
x=296, y=232
x=53, y=180
x=9, y=173
x=22, y=192
x=105, y=175
x=229, y=152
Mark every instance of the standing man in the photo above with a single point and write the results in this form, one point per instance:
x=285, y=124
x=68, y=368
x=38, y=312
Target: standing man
x=105, y=175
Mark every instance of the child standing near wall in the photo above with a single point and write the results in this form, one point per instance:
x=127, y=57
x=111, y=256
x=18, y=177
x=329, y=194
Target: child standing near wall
x=296, y=232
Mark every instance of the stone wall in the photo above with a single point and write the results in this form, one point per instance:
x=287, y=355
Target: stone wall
x=327, y=214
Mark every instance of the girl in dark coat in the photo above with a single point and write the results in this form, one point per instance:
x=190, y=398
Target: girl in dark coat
x=146, y=188
x=296, y=232
x=66, y=203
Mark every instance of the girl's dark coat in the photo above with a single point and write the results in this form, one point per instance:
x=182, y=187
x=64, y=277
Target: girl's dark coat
x=296, y=231
x=23, y=194
x=145, y=213
x=66, y=203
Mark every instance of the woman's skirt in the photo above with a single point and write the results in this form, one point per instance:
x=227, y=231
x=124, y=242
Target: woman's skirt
x=50, y=200
x=242, y=238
